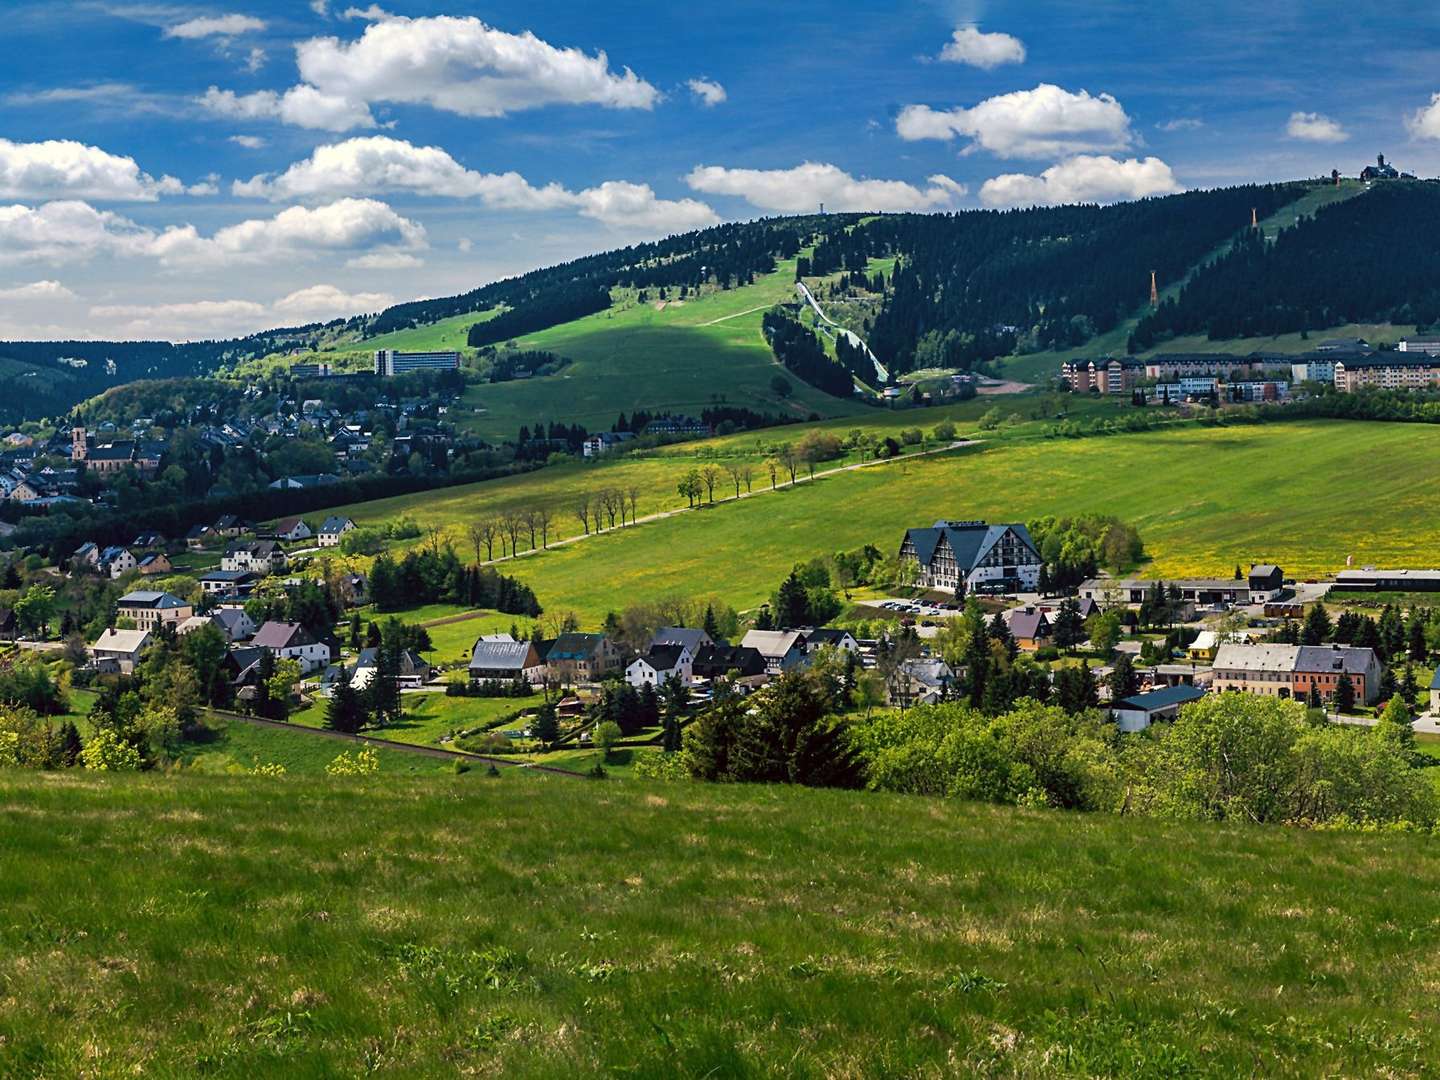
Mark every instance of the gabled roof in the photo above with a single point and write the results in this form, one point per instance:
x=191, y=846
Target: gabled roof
x=1264, y=570
x=126, y=641
x=719, y=659
x=282, y=635
x=827, y=635
x=574, y=646
x=773, y=642
x=500, y=655
x=663, y=657
x=1161, y=699
x=148, y=598
x=969, y=541
x=1318, y=659
x=284, y=525
x=229, y=618
x=1026, y=622
x=232, y=576
x=1257, y=657
x=689, y=636
x=335, y=524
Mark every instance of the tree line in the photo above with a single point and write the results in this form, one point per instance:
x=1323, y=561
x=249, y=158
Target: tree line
x=1367, y=259
x=796, y=346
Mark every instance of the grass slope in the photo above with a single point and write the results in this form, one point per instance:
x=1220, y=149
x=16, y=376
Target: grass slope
x=245, y=927
x=680, y=358
x=1305, y=495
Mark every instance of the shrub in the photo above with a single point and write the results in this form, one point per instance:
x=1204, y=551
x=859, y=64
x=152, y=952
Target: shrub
x=364, y=762
x=106, y=752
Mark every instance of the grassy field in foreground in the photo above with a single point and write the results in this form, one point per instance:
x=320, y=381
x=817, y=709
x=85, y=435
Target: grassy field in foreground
x=243, y=927
x=1303, y=494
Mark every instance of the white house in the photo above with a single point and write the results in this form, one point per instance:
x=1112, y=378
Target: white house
x=291, y=641
x=332, y=530
x=254, y=556
x=661, y=664
x=604, y=442
x=1138, y=712
x=121, y=647
x=292, y=528
x=116, y=561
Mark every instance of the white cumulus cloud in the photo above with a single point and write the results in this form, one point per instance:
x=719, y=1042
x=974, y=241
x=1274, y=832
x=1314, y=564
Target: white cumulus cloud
x=805, y=186
x=37, y=291
x=1315, y=127
x=455, y=64
x=249, y=142
x=1424, y=122
x=321, y=303
x=298, y=232
x=215, y=26
x=73, y=231
x=61, y=168
x=970, y=45
x=708, y=91
x=1084, y=178
x=300, y=106
x=1044, y=122
x=66, y=231
x=378, y=165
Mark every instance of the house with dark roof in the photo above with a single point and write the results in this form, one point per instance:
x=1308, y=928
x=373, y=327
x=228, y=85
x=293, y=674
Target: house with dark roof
x=233, y=623
x=690, y=637
x=227, y=584
x=582, y=658
x=661, y=664
x=116, y=561
x=1267, y=583
x=291, y=641
x=150, y=610
x=157, y=562
x=921, y=680
x=332, y=529
x=254, y=556
x=722, y=661
x=292, y=528
x=148, y=540
x=198, y=537
x=414, y=671
x=1029, y=626
x=971, y=556
x=1139, y=711
x=825, y=636
x=505, y=661
x=783, y=650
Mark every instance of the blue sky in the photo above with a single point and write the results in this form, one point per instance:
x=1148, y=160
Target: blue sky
x=195, y=169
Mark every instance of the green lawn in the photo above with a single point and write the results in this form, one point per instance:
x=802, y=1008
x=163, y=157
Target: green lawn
x=428, y=717
x=451, y=333
x=1304, y=494
x=304, y=927
x=236, y=743
x=681, y=358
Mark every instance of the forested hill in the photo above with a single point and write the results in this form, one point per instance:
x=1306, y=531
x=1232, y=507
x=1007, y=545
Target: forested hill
x=1370, y=259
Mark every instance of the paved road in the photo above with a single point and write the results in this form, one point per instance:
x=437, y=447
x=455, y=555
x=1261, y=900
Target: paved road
x=1427, y=724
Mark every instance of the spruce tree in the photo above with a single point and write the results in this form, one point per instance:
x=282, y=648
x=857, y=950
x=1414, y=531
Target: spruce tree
x=547, y=724
x=1317, y=629
x=1344, y=694
x=344, y=711
x=69, y=745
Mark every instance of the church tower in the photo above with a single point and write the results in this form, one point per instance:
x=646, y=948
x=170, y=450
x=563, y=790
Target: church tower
x=79, y=444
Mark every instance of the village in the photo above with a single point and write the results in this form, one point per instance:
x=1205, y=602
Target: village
x=277, y=601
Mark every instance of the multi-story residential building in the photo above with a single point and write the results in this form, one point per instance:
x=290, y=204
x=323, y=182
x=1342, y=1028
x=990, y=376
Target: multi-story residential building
x=972, y=556
x=1313, y=369
x=1428, y=345
x=254, y=556
x=150, y=610
x=1108, y=375
x=1388, y=371
x=395, y=362
x=582, y=658
x=1292, y=671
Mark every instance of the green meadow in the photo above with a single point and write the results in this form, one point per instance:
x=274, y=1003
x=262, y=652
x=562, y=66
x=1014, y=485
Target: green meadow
x=176, y=926
x=681, y=357
x=1305, y=494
